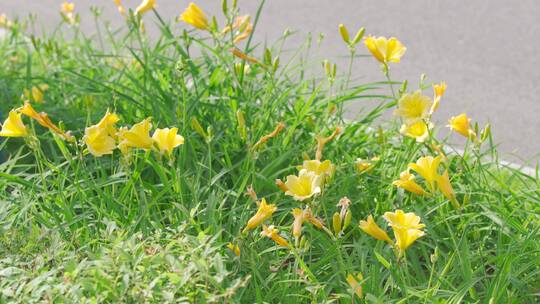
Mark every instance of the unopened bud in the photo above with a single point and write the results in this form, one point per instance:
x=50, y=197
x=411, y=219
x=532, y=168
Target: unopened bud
x=198, y=128
x=347, y=220
x=359, y=36
x=336, y=223
x=344, y=33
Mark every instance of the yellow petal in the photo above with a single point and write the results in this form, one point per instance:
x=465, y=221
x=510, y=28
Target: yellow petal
x=167, y=139
x=145, y=6
x=195, y=16
x=98, y=141
x=413, y=107
x=460, y=124
x=13, y=126
x=371, y=228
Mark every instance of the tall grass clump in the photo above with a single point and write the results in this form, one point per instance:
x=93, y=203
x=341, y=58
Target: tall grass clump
x=202, y=165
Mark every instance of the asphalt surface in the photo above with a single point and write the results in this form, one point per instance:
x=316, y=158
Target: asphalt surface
x=486, y=51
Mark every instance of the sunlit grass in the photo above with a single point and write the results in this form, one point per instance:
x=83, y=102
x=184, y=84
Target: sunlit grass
x=129, y=229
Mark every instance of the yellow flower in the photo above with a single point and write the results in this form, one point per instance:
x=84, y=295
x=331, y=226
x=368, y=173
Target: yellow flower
x=406, y=181
x=108, y=123
x=363, y=165
x=265, y=211
x=324, y=169
x=98, y=141
x=355, y=285
x=36, y=93
x=303, y=186
x=13, y=126
x=371, y=228
x=418, y=130
x=413, y=107
x=167, y=139
x=460, y=124
x=427, y=168
x=272, y=233
x=400, y=219
x=195, y=16
x=406, y=227
x=67, y=7
x=121, y=8
x=44, y=120
x=234, y=248
x=145, y=6
x=385, y=50
x=438, y=92
x=444, y=185
x=406, y=237
x=136, y=137
x=5, y=22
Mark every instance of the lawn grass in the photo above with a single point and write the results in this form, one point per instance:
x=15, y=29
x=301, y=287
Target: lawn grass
x=148, y=228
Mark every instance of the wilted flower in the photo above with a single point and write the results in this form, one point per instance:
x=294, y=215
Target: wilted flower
x=303, y=186
x=280, y=126
x=371, y=228
x=460, y=124
x=195, y=16
x=145, y=6
x=265, y=211
x=427, y=168
x=273, y=233
x=243, y=28
x=385, y=50
x=413, y=107
x=322, y=141
x=136, y=137
x=167, y=139
x=300, y=216
x=13, y=126
x=236, y=52
x=44, y=120
x=418, y=130
x=406, y=181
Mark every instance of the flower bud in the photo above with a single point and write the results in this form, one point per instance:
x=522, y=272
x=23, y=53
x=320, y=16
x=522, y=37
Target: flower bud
x=347, y=220
x=344, y=33
x=359, y=36
x=336, y=223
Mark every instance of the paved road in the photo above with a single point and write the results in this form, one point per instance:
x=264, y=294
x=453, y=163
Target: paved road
x=486, y=50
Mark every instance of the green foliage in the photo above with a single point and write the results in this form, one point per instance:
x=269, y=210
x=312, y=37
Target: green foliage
x=163, y=267
x=75, y=228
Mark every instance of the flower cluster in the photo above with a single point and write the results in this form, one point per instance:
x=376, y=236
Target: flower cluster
x=406, y=227
x=427, y=167
x=103, y=138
